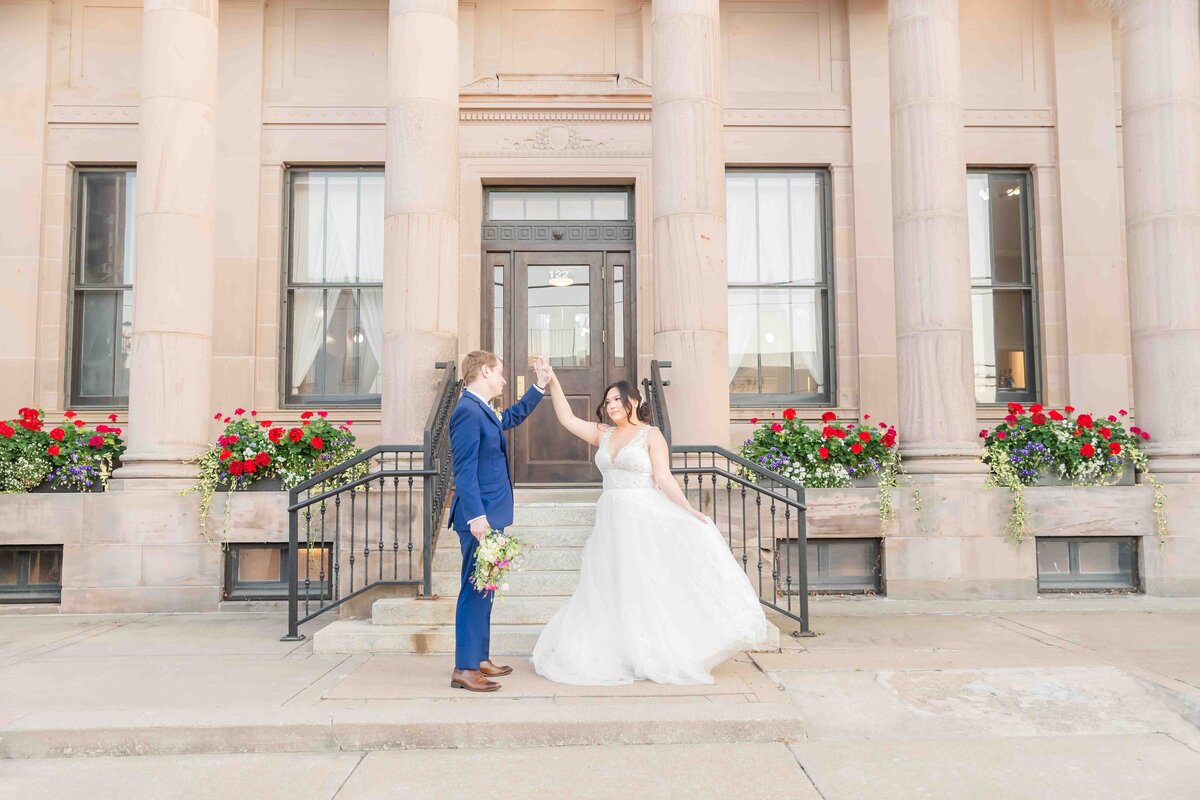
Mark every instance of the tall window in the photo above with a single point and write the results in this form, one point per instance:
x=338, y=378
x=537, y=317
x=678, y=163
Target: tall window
x=1002, y=283
x=102, y=287
x=334, y=339
x=779, y=287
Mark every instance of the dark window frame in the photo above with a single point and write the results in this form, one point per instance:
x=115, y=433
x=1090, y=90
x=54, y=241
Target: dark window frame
x=20, y=593
x=287, y=398
x=1075, y=582
x=828, y=287
x=1028, y=287
x=817, y=584
x=237, y=590
x=79, y=287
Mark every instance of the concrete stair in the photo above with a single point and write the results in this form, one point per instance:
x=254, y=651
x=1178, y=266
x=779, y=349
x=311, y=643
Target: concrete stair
x=556, y=523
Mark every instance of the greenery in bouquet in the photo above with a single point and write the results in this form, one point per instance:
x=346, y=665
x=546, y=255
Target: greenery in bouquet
x=498, y=553
x=71, y=456
x=250, y=449
x=1084, y=449
x=832, y=455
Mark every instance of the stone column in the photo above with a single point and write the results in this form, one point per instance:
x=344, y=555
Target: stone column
x=691, y=305
x=929, y=198
x=169, y=412
x=1160, y=103
x=420, y=246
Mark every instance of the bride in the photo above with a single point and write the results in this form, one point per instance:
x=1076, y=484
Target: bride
x=660, y=596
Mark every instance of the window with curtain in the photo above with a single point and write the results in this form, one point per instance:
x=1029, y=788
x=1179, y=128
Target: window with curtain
x=780, y=294
x=1003, y=304
x=334, y=297
x=102, y=287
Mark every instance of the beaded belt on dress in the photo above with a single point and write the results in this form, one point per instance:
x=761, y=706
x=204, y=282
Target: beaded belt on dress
x=628, y=480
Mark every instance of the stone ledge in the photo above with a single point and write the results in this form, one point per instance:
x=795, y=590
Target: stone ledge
x=401, y=726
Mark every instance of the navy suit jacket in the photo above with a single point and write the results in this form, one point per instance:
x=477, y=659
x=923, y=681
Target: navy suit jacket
x=482, y=482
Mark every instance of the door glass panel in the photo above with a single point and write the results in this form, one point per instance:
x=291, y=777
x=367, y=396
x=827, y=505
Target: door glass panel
x=580, y=206
x=498, y=311
x=560, y=314
x=619, y=316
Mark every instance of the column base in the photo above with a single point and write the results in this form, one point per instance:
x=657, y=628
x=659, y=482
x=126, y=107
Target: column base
x=153, y=473
x=949, y=464
x=1174, y=464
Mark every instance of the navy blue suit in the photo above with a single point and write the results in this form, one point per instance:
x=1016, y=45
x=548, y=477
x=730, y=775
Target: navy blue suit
x=482, y=486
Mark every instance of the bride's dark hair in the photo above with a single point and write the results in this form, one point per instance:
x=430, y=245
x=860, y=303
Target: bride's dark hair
x=629, y=395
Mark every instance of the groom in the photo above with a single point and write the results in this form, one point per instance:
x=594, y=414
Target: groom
x=483, y=500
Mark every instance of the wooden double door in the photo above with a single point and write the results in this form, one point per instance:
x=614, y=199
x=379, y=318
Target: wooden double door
x=575, y=307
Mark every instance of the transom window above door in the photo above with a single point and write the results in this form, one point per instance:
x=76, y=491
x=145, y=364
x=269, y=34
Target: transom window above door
x=549, y=206
x=333, y=344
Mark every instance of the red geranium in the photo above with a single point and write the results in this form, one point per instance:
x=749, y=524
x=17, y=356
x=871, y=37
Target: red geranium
x=53, y=450
x=112, y=417
x=235, y=468
x=79, y=423
x=306, y=415
x=1069, y=409
x=322, y=414
x=823, y=452
x=1035, y=408
x=6, y=430
x=96, y=441
x=983, y=434
x=1114, y=448
x=864, y=437
x=239, y=411
x=1106, y=433
x=1087, y=451
x=263, y=459
x=1011, y=419
x=788, y=413
x=753, y=421
x=295, y=434
x=1001, y=435
x=317, y=443
x=249, y=466
x=1112, y=417
x=828, y=416
x=226, y=455
x=275, y=435
x=1057, y=416
x=775, y=426
x=1039, y=418
x=70, y=415
x=217, y=415
x=1085, y=421
x=57, y=434
x=856, y=448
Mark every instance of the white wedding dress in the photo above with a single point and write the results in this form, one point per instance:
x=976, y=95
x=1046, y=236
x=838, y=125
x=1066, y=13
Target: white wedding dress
x=660, y=595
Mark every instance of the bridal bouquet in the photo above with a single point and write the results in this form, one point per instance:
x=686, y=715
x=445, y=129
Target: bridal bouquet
x=498, y=553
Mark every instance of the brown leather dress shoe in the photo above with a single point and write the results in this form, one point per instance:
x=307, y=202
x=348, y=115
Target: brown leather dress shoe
x=491, y=670
x=472, y=680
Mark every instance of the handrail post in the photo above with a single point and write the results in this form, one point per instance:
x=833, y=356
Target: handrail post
x=293, y=634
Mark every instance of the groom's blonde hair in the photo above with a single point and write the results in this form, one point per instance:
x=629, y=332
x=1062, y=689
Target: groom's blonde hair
x=474, y=362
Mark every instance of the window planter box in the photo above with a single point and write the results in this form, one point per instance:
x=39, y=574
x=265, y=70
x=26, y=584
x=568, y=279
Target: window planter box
x=262, y=485
x=1128, y=477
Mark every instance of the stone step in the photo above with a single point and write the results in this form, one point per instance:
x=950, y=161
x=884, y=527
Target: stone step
x=520, y=583
x=360, y=637
x=572, y=494
x=537, y=559
x=417, y=724
x=511, y=610
x=549, y=536
x=554, y=514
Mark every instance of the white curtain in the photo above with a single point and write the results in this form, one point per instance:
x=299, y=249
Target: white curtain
x=370, y=269
x=308, y=331
x=370, y=309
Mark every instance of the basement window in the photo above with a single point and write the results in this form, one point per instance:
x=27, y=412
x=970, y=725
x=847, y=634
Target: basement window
x=31, y=573
x=1079, y=564
x=260, y=572
x=836, y=566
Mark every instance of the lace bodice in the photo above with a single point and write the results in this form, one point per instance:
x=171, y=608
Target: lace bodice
x=631, y=468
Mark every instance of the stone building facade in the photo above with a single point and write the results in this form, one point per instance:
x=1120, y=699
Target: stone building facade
x=916, y=209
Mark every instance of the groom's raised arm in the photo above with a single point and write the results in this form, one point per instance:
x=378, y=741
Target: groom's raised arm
x=517, y=413
x=464, y=444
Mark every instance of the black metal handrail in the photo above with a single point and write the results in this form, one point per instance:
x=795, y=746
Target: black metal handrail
x=760, y=513
x=358, y=526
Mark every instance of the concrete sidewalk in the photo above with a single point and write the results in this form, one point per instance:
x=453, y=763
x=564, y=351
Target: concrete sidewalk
x=1071, y=697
